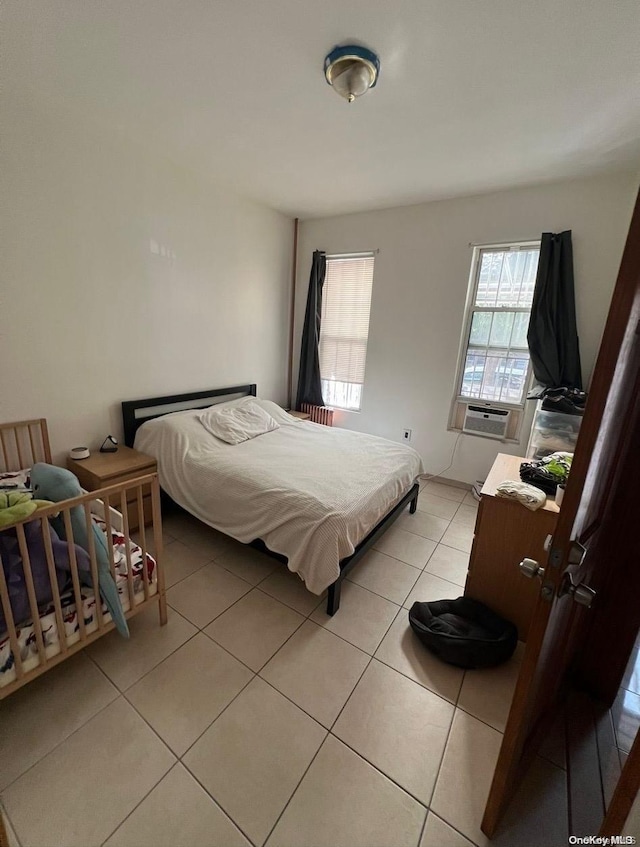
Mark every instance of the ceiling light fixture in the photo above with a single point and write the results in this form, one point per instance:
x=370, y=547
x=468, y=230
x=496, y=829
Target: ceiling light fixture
x=351, y=70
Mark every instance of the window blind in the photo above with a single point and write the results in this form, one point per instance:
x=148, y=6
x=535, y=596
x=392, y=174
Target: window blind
x=344, y=329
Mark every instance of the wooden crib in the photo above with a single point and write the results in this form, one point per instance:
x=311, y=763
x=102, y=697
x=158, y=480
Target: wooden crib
x=22, y=444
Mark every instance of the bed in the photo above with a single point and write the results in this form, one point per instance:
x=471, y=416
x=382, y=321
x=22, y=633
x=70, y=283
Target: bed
x=59, y=614
x=315, y=496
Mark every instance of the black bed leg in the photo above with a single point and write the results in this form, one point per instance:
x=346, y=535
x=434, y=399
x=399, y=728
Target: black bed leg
x=333, y=598
x=414, y=504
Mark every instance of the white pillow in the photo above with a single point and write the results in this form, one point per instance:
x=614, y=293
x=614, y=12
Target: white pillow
x=235, y=424
x=277, y=412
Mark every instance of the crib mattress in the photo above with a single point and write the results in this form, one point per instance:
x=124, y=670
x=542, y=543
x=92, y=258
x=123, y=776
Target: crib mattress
x=26, y=632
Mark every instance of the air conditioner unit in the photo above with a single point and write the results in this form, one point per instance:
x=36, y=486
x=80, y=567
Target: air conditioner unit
x=484, y=420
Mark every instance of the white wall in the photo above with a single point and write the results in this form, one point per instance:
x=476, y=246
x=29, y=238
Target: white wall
x=92, y=313
x=419, y=290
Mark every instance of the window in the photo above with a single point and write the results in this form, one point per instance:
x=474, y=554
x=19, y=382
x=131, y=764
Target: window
x=344, y=329
x=494, y=365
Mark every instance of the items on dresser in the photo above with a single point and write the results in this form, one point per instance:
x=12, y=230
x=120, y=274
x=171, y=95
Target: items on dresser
x=548, y=472
x=552, y=432
x=571, y=401
x=505, y=534
x=530, y=496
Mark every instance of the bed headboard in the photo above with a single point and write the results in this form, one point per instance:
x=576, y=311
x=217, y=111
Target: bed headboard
x=136, y=412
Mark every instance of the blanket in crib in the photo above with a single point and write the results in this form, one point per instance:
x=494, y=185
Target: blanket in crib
x=26, y=633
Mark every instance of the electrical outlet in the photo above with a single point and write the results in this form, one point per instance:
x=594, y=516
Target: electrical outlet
x=406, y=435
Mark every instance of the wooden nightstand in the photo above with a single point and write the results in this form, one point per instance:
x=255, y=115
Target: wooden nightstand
x=303, y=416
x=103, y=469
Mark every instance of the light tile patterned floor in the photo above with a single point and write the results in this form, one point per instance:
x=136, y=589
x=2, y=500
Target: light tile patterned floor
x=625, y=711
x=252, y=718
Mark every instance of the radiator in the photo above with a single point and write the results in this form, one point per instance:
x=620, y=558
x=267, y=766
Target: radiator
x=319, y=414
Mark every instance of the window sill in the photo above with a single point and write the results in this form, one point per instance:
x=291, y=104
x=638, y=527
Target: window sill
x=487, y=437
x=497, y=404
x=518, y=425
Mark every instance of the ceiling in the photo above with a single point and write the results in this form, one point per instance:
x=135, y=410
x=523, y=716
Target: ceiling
x=474, y=95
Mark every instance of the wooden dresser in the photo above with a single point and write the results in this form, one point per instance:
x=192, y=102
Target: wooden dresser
x=506, y=532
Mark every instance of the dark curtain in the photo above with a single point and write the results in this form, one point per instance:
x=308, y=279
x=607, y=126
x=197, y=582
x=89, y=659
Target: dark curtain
x=309, y=385
x=553, y=333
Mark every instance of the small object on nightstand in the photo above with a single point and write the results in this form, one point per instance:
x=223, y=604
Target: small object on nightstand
x=109, y=445
x=78, y=453
x=302, y=416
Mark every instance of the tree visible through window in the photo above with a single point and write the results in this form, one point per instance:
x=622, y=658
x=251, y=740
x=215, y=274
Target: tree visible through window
x=344, y=329
x=495, y=366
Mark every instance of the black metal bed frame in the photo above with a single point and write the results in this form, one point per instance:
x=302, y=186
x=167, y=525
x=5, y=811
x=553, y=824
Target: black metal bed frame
x=137, y=412
x=411, y=497
x=133, y=410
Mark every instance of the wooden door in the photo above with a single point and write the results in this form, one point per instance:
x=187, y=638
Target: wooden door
x=625, y=793
x=554, y=635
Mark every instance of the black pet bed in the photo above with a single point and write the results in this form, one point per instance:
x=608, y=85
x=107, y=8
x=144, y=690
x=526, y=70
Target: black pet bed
x=464, y=632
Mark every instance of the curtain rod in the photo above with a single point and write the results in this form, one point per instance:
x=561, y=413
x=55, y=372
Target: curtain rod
x=519, y=242
x=359, y=255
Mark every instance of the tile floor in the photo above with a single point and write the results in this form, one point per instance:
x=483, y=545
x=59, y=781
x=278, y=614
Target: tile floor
x=625, y=711
x=254, y=719
x=619, y=725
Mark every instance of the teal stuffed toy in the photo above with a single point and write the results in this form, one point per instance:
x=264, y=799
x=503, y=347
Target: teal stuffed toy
x=56, y=484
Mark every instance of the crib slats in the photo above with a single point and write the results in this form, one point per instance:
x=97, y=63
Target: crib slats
x=51, y=567
x=158, y=550
x=94, y=564
x=75, y=579
x=33, y=602
x=44, y=435
x=20, y=448
x=6, y=461
x=107, y=521
x=8, y=616
x=143, y=542
x=34, y=454
x=19, y=451
x=127, y=546
x=15, y=450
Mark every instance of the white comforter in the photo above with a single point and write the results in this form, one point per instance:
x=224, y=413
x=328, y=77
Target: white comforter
x=310, y=492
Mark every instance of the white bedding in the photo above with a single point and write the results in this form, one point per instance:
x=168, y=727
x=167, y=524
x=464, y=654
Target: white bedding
x=310, y=492
x=233, y=423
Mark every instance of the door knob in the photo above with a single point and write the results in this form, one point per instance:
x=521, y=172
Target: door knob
x=530, y=568
x=584, y=595
x=577, y=552
x=581, y=593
